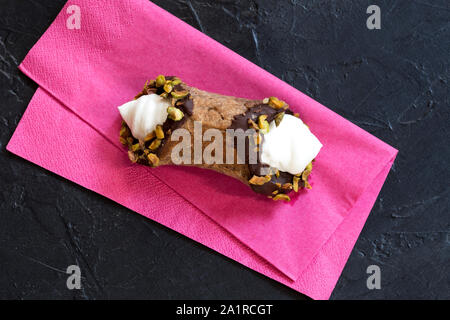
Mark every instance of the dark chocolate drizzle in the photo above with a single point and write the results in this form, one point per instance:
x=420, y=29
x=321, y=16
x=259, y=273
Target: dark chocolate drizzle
x=276, y=182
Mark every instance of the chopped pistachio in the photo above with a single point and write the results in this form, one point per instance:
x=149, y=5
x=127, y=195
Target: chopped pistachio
x=277, y=173
x=296, y=115
x=259, y=181
x=266, y=100
x=168, y=87
x=135, y=147
x=164, y=95
x=132, y=156
x=176, y=81
x=160, y=80
x=276, y=103
x=155, y=144
x=124, y=132
x=295, y=181
x=287, y=186
x=153, y=159
x=307, y=171
x=150, y=136
x=263, y=124
x=123, y=141
x=275, y=192
x=159, y=132
x=307, y=185
x=281, y=196
x=179, y=94
x=175, y=113
x=278, y=118
x=305, y=175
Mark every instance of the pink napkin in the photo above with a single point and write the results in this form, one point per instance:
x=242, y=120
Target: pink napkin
x=71, y=128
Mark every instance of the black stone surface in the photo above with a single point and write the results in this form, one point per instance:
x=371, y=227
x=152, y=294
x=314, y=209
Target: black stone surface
x=392, y=82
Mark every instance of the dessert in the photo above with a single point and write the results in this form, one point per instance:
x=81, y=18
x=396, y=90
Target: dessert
x=259, y=142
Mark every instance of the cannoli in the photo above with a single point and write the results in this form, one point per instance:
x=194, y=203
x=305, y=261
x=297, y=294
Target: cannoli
x=262, y=143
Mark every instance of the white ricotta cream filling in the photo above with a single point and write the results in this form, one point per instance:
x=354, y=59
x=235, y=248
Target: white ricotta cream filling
x=144, y=114
x=290, y=147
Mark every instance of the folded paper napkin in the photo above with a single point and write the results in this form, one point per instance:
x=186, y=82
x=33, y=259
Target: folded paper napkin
x=71, y=128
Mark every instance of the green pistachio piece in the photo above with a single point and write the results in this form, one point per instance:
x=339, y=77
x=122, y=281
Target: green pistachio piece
x=159, y=132
x=276, y=103
x=135, y=147
x=149, y=136
x=160, y=80
x=259, y=181
x=175, y=113
x=281, y=196
x=153, y=159
x=278, y=118
x=263, y=124
x=179, y=94
x=155, y=144
x=295, y=182
x=168, y=87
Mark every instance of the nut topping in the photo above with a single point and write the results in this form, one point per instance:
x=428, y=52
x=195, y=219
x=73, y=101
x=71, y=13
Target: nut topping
x=153, y=159
x=168, y=86
x=160, y=80
x=281, y=196
x=155, y=144
x=276, y=103
x=179, y=94
x=278, y=118
x=149, y=136
x=132, y=156
x=175, y=114
x=295, y=181
x=259, y=181
x=263, y=124
x=159, y=132
x=135, y=147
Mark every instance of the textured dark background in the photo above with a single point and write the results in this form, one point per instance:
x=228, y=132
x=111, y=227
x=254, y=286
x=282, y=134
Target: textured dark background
x=392, y=82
